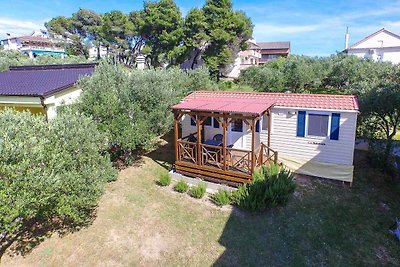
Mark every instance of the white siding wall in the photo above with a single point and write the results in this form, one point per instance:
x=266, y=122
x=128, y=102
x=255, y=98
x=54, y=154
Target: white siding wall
x=385, y=54
x=209, y=131
x=66, y=97
x=381, y=39
x=285, y=141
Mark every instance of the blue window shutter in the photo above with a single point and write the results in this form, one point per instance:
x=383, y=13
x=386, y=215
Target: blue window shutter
x=258, y=126
x=301, y=123
x=335, y=125
x=192, y=122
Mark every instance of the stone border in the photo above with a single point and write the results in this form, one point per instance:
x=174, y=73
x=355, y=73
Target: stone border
x=211, y=187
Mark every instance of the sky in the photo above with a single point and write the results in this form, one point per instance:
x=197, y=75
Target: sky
x=314, y=28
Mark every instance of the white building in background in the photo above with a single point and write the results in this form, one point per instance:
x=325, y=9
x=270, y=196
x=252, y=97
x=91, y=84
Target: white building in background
x=93, y=52
x=245, y=59
x=382, y=45
x=36, y=44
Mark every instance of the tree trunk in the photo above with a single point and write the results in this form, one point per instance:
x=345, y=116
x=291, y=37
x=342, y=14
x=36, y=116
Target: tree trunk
x=388, y=150
x=195, y=58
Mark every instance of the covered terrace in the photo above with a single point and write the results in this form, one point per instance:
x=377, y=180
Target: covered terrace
x=215, y=159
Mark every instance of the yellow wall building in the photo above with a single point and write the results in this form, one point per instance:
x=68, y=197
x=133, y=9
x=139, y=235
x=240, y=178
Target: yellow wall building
x=41, y=89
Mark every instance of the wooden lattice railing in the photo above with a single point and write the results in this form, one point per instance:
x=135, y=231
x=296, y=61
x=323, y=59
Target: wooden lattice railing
x=239, y=160
x=265, y=154
x=236, y=160
x=187, y=151
x=212, y=155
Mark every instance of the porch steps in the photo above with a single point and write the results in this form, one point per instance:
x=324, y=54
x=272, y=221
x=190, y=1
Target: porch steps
x=212, y=174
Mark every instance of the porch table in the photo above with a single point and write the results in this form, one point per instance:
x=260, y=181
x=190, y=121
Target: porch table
x=212, y=142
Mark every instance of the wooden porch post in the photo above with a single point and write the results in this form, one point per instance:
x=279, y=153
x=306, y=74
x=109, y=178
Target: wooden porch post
x=198, y=125
x=269, y=131
x=269, y=127
x=176, y=129
x=224, y=127
x=253, y=143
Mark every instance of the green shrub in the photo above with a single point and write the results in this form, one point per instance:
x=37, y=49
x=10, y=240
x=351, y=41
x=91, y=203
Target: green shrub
x=50, y=169
x=198, y=191
x=222, y=197
x=182, y=186
x=271, y=186
x=165, y=179
x=133, y=106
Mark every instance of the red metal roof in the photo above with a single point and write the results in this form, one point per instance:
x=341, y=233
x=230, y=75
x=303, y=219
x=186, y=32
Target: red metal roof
x=257, y=103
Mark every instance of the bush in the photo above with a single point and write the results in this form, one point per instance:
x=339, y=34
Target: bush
x=133, y=106
x=50, y=169
x=198, y=191
x=181, y=186
x=271, y=186
x=165, y=179
x=222, y=197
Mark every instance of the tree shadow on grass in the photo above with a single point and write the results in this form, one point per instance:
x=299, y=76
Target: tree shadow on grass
x=164, y=153
x=35, y=231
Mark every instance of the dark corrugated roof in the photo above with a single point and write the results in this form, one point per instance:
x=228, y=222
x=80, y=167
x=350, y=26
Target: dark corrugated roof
x=274, y=45
x=42, y=80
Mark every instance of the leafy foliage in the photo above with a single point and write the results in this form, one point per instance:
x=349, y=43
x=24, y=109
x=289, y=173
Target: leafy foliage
x=199, y=190
x=380, y=108
x=219, y=36
x=165, y=179
x=342, y=73
x=50, y=169
x=215, y=32
x=271, y=186
x=14, y=58
x=181, y=186
x=222, y=197
x=133, y=106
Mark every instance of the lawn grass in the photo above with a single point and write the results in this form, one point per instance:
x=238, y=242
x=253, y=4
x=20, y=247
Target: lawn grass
x=140, y=223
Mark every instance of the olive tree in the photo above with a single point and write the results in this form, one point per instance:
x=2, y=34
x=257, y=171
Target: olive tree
x=49, y=170
x=133, y=106
x=380, y=108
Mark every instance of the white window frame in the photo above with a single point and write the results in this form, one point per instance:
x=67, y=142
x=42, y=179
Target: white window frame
x=329, y=114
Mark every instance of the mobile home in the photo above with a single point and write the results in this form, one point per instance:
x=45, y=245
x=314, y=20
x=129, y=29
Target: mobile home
x=225, y=136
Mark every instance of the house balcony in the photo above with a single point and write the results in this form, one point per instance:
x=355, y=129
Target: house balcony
x=41, y=48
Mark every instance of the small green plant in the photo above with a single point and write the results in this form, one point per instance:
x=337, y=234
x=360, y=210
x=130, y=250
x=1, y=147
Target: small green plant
x=222, y=197
x=165, y=179
x=271, y=186
x=181, y=186
x=198, y=191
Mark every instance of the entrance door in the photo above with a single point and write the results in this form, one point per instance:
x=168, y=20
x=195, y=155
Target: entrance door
x=236, y=132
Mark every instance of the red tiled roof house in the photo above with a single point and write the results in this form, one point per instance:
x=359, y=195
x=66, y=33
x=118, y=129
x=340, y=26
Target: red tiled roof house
x=225, y=136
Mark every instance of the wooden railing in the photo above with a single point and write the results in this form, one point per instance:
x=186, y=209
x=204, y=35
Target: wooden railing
x=236, y=160
x=212, y=155
x=239, y=160
x=265, y=154
x=187, y=151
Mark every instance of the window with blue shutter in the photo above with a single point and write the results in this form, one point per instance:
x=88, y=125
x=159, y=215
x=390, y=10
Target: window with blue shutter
x=301, y=123
x=335, y=125
x=258, y=126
